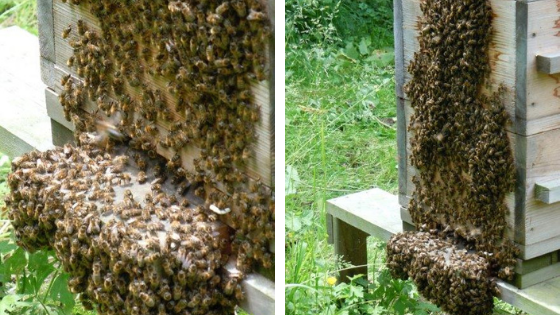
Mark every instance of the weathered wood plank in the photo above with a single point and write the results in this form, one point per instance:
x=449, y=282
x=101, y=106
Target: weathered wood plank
x=22, y=96
x=54, y=109
x=538, y=276
x=523, y=267
x=46, y=29
x=359, y=211
x=542, y=90
x=549, y=63
x=399, y=47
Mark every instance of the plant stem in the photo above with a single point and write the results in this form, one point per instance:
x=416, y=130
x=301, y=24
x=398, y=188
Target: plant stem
x=51, y=284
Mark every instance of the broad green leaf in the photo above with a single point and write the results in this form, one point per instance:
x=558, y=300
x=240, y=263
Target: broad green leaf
x=293, y=224
x=364, y=46
x=9, y=303
x=292, y=180
x=7, y=246
x=351, y=51
x=16, y=262
x=59, y=292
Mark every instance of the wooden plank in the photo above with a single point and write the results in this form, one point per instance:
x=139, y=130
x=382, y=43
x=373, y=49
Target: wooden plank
x=549, y=63
x=401, y=146
x=260, y=166
x=46, y=29
x=543, y=90
x=520, y=65
x=538, y=249
x=523, y=267
x=23, y=102
x=405, y=216
x=538, y=276
x=548, y=192
x=399, y=48
x=366, y=209
x=539, y=299
x=47, y=72
x=350, y=244
x=54, y=109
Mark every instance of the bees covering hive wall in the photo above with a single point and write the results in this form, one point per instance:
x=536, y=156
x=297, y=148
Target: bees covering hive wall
x=189, y=80
x=521, y=30
x=464, y=163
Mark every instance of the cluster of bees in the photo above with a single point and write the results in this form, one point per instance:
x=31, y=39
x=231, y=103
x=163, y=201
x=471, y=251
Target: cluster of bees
x=149, y=253
x=459, y=142
x=456, y=280
x=175, y=77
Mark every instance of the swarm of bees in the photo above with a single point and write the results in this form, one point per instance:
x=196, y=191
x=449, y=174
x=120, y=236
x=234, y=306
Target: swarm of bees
x=127, y=253
x=459, y=142
x=208, y=53
x=456, y=280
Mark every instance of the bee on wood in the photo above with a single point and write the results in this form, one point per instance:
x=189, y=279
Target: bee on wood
x=66, y=31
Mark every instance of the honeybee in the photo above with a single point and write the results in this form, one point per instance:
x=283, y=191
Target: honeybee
x=147, y=299
x=81, y=27
x=70, y=61
x=141, y=176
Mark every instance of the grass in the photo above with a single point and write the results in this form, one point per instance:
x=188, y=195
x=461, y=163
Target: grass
x=22, y=13
x=340, y=138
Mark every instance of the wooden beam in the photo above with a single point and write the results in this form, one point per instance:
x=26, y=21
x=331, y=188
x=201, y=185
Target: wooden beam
x=548, y=192
x=350, y=243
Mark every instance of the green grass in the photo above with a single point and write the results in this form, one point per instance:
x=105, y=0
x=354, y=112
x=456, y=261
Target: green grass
x=340, y=138
x=22, y=13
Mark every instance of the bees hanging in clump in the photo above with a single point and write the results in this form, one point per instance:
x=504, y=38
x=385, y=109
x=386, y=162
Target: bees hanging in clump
x=150, y=253
x=456, y=280
x=459, y=142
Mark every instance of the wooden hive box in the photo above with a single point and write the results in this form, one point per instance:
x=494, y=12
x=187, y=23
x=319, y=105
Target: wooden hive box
x=524, y=55
x=55, y=16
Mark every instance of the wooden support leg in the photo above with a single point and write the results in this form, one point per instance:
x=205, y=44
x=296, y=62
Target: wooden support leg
x=330, y=236
x=350, y=243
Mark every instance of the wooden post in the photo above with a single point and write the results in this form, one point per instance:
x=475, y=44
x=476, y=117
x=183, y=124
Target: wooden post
x=350, y=243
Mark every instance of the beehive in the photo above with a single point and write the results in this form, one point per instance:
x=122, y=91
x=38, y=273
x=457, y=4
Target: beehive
x=522, y=54
x=56, y=16
x=214, y=117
